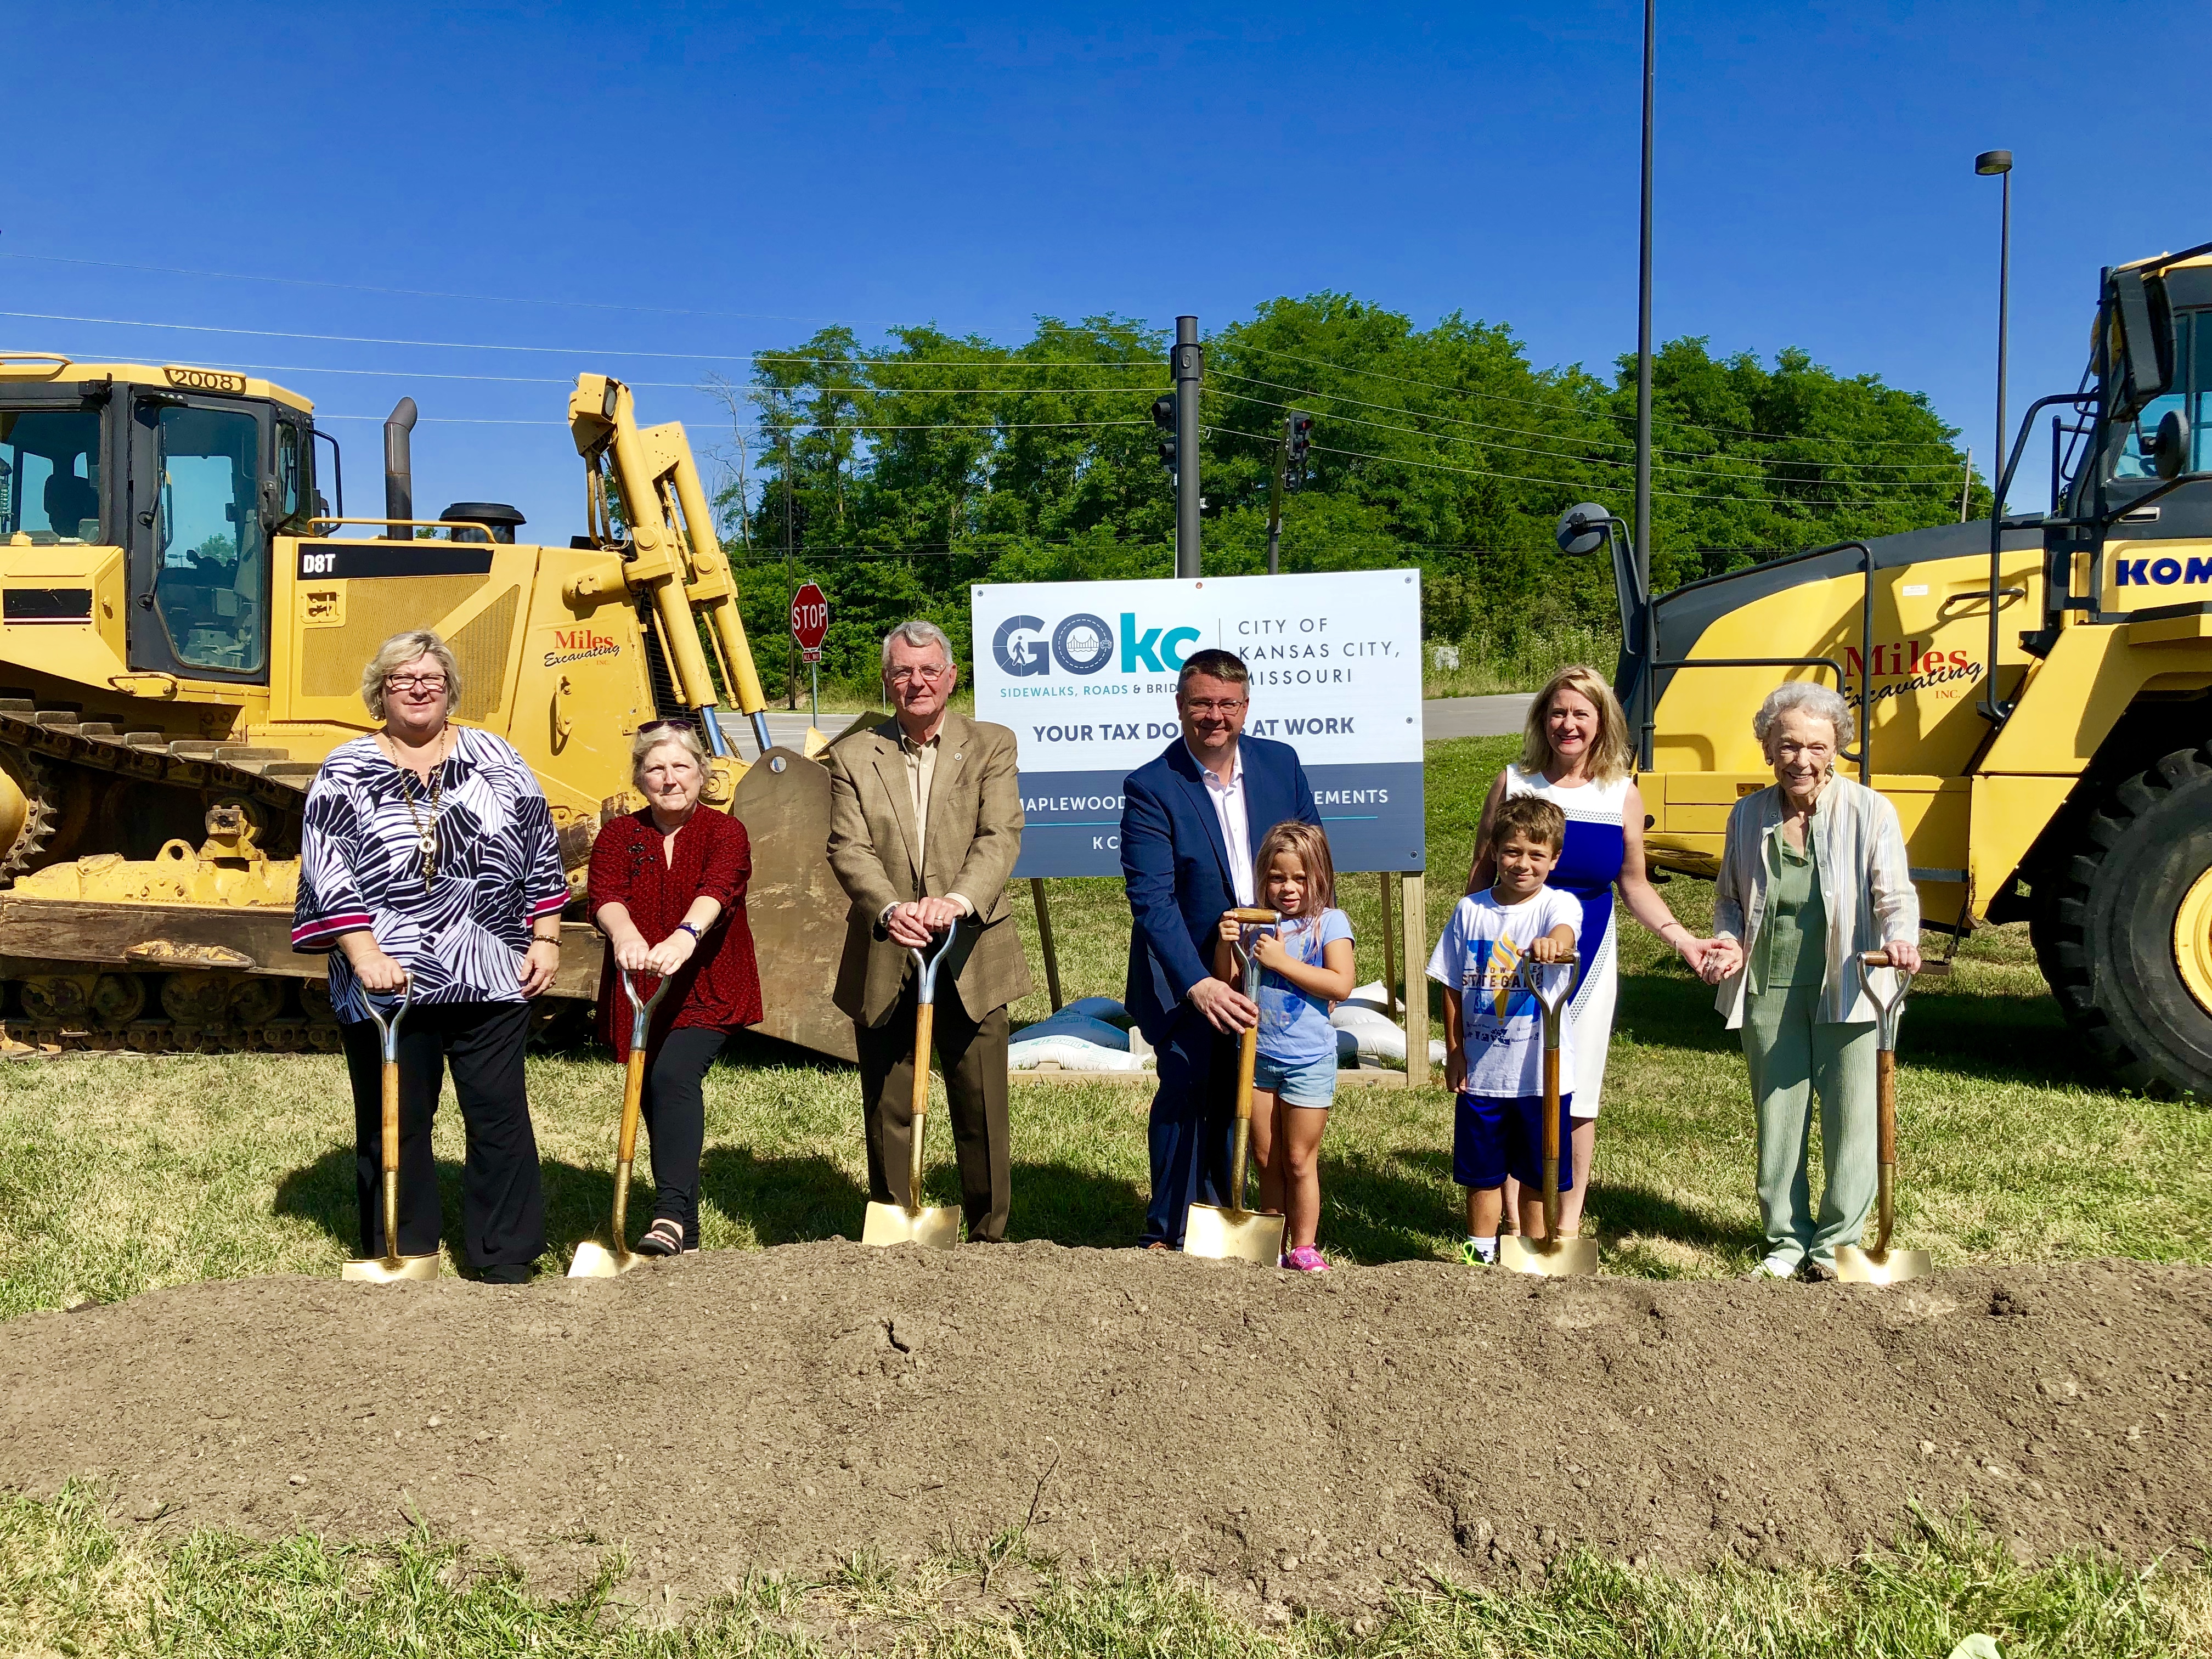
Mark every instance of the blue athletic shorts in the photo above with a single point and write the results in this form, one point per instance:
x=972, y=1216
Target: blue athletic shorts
x=1301, y=1083
x=1496, y=1135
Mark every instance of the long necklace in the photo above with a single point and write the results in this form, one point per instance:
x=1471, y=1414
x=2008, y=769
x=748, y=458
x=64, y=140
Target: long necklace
x=426, y=834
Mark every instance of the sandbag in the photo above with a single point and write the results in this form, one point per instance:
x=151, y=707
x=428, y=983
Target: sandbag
x=1069, y=1023
x=1070, y=1053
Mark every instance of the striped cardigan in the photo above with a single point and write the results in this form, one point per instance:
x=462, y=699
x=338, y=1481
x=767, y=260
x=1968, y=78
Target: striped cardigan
x=1858, y=846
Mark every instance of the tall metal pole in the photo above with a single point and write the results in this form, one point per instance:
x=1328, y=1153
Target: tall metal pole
x=790, y=584
x=2004, y=307
x=1275, y=502
x=1998, y=163
x=1643, y=548
x=1189, y=369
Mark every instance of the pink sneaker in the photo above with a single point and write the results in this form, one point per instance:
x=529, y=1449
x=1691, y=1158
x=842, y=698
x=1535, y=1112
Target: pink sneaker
x=1306, y=1260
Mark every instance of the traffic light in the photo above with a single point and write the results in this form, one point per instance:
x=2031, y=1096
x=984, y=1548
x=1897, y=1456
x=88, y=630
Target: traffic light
x=1299, y=437
x=1163, y=417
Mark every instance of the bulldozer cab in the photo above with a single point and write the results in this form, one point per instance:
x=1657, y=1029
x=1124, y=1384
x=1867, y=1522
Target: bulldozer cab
x=188, y=480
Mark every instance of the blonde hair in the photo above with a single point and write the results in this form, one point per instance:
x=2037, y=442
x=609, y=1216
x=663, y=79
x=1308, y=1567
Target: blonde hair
x=405, y=647
x=662, y=737
x=1610, y=756
x=1307, y=844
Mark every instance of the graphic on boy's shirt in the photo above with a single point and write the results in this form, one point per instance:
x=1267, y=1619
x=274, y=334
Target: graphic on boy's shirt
x=1495, y=968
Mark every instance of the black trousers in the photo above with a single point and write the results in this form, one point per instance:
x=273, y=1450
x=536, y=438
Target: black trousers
x=973, y=1054
x=502, y=1201
x=676, y=1122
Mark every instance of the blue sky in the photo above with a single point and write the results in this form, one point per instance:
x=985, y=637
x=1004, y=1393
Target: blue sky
x=766, y=170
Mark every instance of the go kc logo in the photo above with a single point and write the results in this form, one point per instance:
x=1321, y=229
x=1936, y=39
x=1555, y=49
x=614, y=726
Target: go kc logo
x=1085, y=644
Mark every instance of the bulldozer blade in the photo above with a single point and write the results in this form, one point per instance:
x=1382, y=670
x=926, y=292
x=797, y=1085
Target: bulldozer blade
x=1221, y=1234
x=390, y=1270
x=1855, y=1266
x=1564, y=1258
x=595, y=1261
x=793, y=904
x=938, y=1227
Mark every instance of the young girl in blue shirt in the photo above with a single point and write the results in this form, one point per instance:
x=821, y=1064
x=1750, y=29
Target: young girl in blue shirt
x=1306, y=964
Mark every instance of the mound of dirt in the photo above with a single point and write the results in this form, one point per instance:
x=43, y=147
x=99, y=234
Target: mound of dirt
x=1306, y=1439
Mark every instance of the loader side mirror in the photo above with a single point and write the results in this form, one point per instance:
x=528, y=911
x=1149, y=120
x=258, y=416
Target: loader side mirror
x=2168, y=447
x=1581, y=531
x=2146, y=322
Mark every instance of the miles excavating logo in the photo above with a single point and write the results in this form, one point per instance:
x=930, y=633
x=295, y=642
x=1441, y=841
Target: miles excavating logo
x=580, y=645
x=1084, y=644
x=1907, y=666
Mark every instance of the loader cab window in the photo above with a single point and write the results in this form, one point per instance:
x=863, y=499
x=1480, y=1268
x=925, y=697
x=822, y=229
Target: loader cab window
x=2191, y=395
x=50, y=476
x=210, y=558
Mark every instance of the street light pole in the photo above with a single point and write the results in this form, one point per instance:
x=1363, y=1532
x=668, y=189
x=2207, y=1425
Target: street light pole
x=1189, y=360
x=1998, y=163
x=1642, y=550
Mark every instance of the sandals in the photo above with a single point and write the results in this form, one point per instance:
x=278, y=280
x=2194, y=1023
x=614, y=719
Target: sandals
x=664, y=1238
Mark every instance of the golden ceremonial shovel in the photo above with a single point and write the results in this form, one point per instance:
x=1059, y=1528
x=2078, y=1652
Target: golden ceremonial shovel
x=938, y=1227
x=594, y=1260
x=1229, y=1231
x=1881, y=1265
x=1551, y=1256
x=392, y=1266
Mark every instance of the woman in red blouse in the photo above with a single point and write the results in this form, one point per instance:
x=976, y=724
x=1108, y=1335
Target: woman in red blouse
x=668, y=889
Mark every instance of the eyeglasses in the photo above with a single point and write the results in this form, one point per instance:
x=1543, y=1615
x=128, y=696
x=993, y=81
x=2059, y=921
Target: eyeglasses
x=927, y=676
x=1222, y=705
x=665, y=726
x=415, y=682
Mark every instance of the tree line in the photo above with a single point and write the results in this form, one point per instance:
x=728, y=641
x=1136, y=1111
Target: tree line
x=897, y=473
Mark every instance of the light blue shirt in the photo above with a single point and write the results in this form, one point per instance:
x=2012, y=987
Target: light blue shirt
x=1294, y=1028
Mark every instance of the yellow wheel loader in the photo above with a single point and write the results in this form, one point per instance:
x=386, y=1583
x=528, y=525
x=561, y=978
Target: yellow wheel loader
x=184, y=620
x=2030, y=691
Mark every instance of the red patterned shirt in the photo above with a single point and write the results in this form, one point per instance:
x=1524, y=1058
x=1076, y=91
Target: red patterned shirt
x=714, y=859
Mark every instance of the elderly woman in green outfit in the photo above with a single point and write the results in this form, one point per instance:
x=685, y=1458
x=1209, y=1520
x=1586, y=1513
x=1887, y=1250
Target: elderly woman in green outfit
x=1813, y=873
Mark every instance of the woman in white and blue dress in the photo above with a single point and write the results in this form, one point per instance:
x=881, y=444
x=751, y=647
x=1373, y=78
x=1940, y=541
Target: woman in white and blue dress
x=427, y=861
x=1577, y=756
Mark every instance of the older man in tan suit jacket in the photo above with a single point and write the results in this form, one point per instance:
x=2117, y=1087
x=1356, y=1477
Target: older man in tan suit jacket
x=925, y=825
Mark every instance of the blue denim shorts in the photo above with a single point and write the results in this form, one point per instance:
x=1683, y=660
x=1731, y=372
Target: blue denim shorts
x=1300, y=1083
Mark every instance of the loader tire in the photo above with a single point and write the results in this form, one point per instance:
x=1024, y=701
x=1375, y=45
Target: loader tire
x=2117, y=941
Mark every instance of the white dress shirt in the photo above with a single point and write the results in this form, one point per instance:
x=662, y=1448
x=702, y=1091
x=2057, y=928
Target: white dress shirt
x=1236, y=827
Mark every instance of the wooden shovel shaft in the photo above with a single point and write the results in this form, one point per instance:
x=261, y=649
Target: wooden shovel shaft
x=1247, y=1054
x=1551, y=1142
x=925, y=1020
x=626, y=1147
x=390, y=1158
x=1885, y=1098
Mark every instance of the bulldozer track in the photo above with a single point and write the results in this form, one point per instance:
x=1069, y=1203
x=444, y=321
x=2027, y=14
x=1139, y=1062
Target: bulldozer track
x=269, y=776
x=52, y=740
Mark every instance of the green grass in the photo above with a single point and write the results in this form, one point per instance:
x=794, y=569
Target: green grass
x=72, y=1583
x=122, y=1172
x=119, y=1173
x=1489, y=663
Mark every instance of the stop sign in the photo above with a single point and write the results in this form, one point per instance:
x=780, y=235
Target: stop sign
x=810, y=620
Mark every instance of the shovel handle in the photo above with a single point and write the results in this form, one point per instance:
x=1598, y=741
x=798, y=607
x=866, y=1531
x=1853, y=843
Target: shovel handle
x=925, y=1020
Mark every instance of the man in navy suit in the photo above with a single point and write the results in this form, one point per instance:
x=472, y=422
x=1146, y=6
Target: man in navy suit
x=1189, y=821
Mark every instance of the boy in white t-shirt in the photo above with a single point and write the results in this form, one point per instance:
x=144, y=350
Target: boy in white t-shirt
x=1493, y=1028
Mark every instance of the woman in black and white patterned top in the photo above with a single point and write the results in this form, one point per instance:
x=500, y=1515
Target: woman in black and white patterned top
x=428, y=858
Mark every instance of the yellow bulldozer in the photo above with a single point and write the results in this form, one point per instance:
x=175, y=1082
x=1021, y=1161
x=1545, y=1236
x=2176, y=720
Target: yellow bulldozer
x=184, y=618
x=2031, y=690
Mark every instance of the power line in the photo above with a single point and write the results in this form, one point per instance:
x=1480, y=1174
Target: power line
x=439, y=293
x=1598, y=460
x=564, y=351
x=1525, y=431
x=1500, y=397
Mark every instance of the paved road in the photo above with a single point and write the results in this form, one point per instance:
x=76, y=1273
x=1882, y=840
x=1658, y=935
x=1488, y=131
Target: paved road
x=1441, y=717
x=1473, y=717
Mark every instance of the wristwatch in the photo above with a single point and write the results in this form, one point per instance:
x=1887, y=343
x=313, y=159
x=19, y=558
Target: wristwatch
x=686, y=927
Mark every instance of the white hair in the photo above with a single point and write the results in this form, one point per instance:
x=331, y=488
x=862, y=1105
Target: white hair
x=401, y=649
x=1816, y=700
x=920, y=634
x=664, y=737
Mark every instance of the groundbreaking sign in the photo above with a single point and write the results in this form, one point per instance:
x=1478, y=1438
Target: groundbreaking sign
x=1085, y=674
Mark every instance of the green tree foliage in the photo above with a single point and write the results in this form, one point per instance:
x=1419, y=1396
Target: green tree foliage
x=900, y=472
